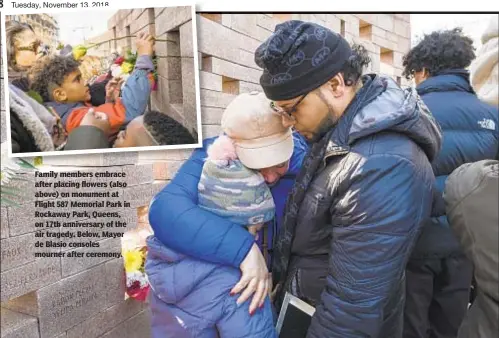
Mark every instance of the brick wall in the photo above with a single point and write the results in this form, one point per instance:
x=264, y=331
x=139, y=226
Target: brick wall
x=226, y=43
x=74, y=297
x=105, y=48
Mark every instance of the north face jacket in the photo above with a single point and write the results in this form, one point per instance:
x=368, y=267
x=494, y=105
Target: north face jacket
x=470, y=134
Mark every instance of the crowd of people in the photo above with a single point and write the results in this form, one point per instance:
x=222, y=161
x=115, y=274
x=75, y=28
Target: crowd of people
x=373, y=203
x=54, y=107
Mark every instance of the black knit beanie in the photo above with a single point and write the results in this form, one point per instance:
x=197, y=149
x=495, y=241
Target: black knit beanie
x=300, y=57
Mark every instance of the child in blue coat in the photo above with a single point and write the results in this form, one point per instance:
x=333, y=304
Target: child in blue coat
x=197, y=293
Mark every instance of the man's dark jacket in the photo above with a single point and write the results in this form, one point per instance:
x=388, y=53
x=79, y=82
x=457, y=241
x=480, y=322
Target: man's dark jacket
x=362, y=213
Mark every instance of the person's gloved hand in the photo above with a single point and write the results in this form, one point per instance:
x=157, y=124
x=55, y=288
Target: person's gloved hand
x=97, y=119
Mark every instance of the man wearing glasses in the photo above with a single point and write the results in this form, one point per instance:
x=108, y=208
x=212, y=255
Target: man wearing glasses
x=357, y=206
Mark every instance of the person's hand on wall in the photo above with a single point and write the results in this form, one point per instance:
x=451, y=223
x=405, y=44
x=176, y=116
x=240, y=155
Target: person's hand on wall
x=145, y=44
x=97, y=119
x=254, y=279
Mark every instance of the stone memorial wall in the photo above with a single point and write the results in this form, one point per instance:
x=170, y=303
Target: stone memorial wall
x=226, y=45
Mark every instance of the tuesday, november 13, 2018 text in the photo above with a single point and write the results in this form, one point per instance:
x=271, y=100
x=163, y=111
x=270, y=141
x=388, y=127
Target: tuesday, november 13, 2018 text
x=54, y=5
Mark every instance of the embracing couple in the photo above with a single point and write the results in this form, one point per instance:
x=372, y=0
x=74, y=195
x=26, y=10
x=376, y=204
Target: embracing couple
x=334, y=162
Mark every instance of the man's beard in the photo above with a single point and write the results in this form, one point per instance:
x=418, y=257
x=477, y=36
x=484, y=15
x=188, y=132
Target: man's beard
x=327, y=123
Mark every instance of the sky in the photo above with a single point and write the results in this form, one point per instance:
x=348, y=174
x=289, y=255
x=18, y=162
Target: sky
x=473, y=24
x=73, y=29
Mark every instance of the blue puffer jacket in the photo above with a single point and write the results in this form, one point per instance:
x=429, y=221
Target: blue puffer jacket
x=197, y=294
x=188, y=240
x=180, y=224
x=470, y=134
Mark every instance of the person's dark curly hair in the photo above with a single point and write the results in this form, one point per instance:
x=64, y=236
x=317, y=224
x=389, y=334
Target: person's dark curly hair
x=438, y=51
x=354, y=67
x=51, y=71
x=166, y=130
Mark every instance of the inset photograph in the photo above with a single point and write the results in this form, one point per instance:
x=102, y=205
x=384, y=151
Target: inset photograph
x=102, y=81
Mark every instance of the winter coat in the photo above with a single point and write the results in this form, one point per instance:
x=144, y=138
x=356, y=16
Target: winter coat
x=133, y=102
x=471, y=194
x=30, y=123
x=201, y=234
x=470, y=134
x=362, y=212
x=197, y=293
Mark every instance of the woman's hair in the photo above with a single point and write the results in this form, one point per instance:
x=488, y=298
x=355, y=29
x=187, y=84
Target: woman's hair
x=440, y=50
x=354, y=67
x=12, y=29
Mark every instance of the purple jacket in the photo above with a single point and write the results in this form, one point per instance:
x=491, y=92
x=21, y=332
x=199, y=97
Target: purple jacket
x=197, y=294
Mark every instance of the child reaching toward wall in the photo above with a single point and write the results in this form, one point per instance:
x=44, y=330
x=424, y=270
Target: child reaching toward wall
x=59, y=82
x=197, y=293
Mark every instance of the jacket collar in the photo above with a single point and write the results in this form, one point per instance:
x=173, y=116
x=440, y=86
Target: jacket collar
x=449, y=80
x=381, y=105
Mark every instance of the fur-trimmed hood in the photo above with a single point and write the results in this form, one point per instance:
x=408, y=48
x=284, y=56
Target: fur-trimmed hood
x=34, y=117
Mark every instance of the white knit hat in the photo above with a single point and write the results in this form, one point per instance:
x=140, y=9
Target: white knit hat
x=261, y=140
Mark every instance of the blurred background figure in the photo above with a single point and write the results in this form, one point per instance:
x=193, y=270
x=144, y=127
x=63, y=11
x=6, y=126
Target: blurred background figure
x=439, y=275
x=471, y=194
x=485, y=69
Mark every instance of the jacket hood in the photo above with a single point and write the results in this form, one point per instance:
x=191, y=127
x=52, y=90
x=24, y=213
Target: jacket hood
x=173, y=275
x=34, y=117
x=454, y=80
x=382, y=106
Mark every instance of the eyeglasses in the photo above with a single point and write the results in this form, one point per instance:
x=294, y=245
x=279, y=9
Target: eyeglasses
x=33, y=47
x=289, y=111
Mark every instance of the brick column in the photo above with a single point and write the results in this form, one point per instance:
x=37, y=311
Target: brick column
x=188, y=77
x=176, y=91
